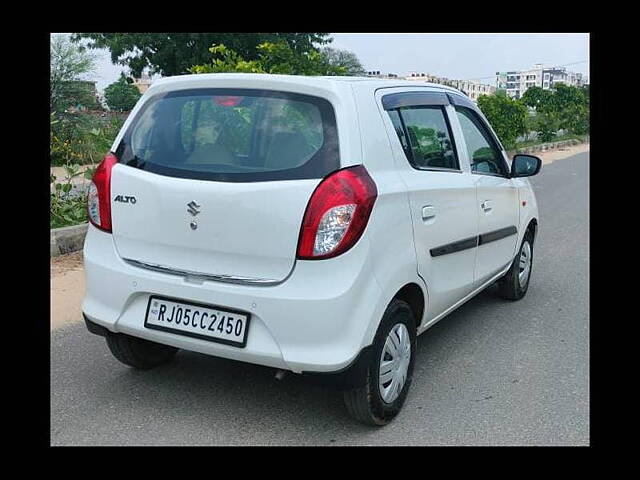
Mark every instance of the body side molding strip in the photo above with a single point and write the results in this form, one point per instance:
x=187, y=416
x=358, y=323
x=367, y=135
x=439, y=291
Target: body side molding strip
x=454, y=247
x=497, y=235
x=473, y=242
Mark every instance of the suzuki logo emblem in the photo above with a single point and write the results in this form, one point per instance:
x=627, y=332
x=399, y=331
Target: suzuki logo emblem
x=193, y=208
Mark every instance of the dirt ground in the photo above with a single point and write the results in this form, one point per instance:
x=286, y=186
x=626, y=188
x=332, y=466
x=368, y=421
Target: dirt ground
x=551, y=156
x=67, y=289
x=67, y=274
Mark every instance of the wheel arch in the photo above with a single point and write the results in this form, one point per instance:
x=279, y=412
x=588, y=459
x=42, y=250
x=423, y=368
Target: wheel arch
x=404, y=285
x=414, y=296
x=533, y=227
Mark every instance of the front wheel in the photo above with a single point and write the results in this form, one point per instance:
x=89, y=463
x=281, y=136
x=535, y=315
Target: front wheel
x=514, y=285
x=390, y=369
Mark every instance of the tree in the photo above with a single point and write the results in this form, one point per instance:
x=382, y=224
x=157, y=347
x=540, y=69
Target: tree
x=539, y=99
x=546, y=125
x=68, y=129
x=121, y=95
x=572, y=105
x=175, y=53
x=276, y=57
x=577, y=120
x=508, y=117
x=585, y=91
x=69, y=66
x=343, y=58
x=565, y=107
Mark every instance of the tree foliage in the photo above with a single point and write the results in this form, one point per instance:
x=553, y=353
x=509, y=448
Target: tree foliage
x=507, y=116
x=121, y=96
x=564, y=108
x=175, y=53
x=272, y=57
x=572, y=107
x=546, y=125
x=343, y=58
x=539, y=99
x=69, y=65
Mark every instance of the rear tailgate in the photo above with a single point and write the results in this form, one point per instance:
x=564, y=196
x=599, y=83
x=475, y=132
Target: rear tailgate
x=242, y=229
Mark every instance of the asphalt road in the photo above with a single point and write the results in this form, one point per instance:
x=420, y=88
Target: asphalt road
x=492, y=373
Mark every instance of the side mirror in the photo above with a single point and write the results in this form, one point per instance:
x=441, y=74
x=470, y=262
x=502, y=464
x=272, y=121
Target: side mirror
x=525, y=165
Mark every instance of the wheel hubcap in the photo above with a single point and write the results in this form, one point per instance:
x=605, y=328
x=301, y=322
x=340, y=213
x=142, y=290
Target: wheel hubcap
x=394, y=363
x=525, y=264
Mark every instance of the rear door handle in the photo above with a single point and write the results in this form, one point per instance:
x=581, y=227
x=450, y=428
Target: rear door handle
x=428, y=212
x=487, y=205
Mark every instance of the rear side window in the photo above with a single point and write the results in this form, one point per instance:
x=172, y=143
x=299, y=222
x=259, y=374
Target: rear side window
x=238, y=135
x=394, y=115
x=425, y=136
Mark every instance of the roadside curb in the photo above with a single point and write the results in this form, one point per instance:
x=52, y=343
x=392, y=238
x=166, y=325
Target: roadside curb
x=67, y=239
x=543, y=147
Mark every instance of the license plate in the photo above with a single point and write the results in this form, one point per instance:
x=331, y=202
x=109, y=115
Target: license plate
x=207, y=322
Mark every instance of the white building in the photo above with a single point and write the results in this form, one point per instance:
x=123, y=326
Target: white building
x=142, y=83
x=377, y=74
x=472, y=89
x=516, y=83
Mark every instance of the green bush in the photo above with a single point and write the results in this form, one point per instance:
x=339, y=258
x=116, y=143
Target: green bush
x=82, y=138
x=68, y=208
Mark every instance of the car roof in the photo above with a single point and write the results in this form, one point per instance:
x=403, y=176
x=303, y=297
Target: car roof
x=325, y=81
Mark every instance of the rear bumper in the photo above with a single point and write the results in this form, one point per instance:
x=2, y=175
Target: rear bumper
x=315, y=321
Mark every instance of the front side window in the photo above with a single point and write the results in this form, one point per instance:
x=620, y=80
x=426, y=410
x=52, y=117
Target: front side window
x=484, y=155
x=239, y=135
x=426, y=137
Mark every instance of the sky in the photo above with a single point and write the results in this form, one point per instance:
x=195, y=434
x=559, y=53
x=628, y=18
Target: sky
x=463, y=56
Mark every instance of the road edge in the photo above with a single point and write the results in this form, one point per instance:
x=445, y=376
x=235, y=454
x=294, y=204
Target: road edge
x=67, y=239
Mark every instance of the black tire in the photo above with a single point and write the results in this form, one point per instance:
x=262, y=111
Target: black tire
x=365, y=403
x=139, y=353
x=509, y=286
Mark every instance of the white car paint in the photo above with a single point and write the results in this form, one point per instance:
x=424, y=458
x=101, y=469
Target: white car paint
x=307, y=315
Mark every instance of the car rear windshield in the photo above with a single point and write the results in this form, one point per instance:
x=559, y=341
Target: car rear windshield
x=233, y=135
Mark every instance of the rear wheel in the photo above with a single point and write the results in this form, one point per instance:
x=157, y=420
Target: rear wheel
x=514, y=285
x=390, y=370
x=139, y=353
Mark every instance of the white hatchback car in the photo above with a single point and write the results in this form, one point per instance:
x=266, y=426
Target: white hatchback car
x=309, y=224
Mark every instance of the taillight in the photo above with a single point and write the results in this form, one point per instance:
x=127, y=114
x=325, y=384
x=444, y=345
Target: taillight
x=99, y=194
x=337, y=214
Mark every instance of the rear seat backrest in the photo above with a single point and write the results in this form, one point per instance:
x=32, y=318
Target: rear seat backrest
x=287, y=150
